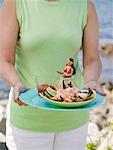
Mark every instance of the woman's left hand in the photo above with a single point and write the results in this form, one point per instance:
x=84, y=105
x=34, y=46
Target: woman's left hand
x=94, y=85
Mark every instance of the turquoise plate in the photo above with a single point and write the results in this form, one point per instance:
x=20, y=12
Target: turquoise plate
x=32, y=98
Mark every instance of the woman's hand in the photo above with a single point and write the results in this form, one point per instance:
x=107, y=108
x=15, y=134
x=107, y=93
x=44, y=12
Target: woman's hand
x=18, y=88
x=94, y=85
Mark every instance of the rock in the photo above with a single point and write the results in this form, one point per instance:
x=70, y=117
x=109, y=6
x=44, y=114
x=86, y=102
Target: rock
x=110, y=120
x=93, y=133
x=4, y=102
x=2, y=138
x=106, y=138
x=102, y=139
x=106, y=49
x=103, y=145
x=3, y=146
x=98, y=116
x=2, y=142
x=3, y=125
x=107, y=84
x=3, y=94
x=2, y=119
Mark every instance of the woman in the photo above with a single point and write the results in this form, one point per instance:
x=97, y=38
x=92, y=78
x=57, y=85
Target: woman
x=36, y=38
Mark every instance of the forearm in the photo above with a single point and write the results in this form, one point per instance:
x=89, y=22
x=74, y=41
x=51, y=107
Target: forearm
x=9, y=74
x=92, y=71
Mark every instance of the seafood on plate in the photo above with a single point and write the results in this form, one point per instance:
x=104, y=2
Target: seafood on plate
x=68, y=94
x=66, y=89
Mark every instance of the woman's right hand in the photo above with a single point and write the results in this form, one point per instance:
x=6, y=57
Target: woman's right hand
x=18, y=88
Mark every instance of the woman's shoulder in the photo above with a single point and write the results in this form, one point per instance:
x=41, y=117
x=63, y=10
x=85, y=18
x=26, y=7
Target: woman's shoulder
x=91, y=9
x=91, y=5
x=9, y=4
x=8, y=11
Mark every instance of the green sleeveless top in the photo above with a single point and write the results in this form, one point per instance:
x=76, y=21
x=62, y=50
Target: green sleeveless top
x=50, y=32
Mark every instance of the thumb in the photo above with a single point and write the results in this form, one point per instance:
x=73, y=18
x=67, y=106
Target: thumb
x=16, y=93
x=100, y=91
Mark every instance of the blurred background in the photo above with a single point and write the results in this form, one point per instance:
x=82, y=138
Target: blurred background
x=100, y=132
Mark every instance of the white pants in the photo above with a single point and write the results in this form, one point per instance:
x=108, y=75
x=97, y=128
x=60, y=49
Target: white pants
x=18, y=139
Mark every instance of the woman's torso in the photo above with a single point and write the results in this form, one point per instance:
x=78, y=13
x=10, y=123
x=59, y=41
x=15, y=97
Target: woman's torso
x=50, y=32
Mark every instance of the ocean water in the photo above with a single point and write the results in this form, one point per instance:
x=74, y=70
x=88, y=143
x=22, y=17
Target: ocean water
x=104, y=10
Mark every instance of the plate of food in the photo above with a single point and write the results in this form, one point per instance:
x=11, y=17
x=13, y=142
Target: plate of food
x=68, y=97
x=64, y=94
x=33, y=99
